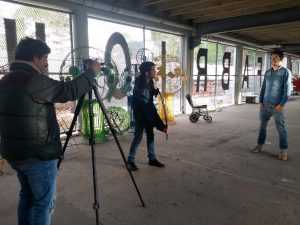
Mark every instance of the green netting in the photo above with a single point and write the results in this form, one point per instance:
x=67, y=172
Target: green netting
x=100, y=133
x=119, y=118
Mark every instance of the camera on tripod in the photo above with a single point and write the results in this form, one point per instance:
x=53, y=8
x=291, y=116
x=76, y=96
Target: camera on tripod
x=87, y=62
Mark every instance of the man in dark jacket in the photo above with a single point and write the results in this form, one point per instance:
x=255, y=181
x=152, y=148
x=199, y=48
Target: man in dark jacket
x=145, y=115
x=29, y=132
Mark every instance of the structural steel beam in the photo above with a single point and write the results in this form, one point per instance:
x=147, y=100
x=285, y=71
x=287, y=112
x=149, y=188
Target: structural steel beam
x=249, y=21
x=291, y=47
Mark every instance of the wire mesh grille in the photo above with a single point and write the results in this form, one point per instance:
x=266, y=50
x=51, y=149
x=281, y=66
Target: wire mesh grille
x=53, y=27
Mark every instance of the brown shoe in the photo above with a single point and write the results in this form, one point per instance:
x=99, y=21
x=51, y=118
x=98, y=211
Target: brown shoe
x=283, y=156
x=257, y=149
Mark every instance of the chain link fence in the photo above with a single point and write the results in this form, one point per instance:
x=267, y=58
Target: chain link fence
x=53, y=27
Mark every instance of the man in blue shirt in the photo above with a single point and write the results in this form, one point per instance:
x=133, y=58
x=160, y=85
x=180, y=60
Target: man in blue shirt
x=274, y=94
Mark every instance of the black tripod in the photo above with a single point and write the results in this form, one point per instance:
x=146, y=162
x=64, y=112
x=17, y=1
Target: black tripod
x=92, y=143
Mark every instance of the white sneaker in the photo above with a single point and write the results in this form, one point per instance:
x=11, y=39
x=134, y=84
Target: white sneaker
x=283, y=156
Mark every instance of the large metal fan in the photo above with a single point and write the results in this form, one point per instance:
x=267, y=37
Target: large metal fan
x=75, y=63
x=144, y=55
x=114, y=82
x=4, y=69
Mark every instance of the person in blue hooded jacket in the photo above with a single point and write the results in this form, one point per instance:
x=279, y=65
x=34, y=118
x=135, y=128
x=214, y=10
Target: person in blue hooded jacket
x=145, y=114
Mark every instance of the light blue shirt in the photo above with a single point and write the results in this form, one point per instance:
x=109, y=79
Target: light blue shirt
x=277, y=87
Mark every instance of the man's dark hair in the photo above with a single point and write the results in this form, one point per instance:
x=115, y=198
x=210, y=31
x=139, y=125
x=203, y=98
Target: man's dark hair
x=28, y=48
x=141, y=81
x=278, y=52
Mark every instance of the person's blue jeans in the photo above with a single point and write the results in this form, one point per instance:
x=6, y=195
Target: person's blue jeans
x=138, y=136
x=265, y=116
x=38, y=192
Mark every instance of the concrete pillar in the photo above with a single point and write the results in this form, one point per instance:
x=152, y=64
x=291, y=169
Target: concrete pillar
x=80, y=29
x=239, y=73
x=289, y=62
x=267, y=62
x=81, y=38
x=188, y=63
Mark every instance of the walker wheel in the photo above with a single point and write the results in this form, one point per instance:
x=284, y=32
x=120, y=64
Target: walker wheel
x=209, y=119
x=194, y=117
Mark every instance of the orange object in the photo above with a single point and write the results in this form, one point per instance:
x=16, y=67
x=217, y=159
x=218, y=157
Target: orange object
x=169, y=103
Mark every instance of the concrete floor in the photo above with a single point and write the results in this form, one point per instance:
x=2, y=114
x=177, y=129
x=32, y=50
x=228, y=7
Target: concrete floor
x=210, y=177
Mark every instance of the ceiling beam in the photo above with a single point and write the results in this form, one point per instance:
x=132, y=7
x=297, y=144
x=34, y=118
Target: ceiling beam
x=235, y=12
x=234, y=9
x=152, y=2
x=291, y=48
x=192, y=10
x=177, y=4
x=254, y=20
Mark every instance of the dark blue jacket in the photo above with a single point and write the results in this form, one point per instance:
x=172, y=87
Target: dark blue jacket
x=144, y=109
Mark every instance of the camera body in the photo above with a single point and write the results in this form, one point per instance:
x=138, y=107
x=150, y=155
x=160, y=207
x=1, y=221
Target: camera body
x=87, y=62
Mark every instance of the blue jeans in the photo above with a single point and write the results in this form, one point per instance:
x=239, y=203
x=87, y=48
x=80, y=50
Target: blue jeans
x=138, y=136
x=265, y=116
x=38, y=192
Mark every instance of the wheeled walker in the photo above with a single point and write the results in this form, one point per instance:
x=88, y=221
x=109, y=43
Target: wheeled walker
x=198, y=111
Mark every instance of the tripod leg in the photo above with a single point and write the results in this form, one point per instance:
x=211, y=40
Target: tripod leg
x=69, y=133
x=116, y=139
x=92, y=143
